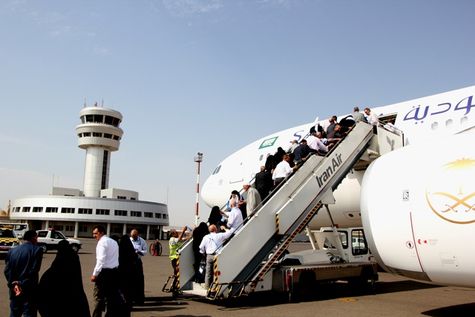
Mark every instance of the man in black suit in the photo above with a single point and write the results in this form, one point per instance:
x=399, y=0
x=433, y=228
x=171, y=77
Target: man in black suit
x=263, y=182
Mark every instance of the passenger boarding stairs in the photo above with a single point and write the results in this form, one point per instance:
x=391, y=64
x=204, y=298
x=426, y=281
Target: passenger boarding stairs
x=241, y=264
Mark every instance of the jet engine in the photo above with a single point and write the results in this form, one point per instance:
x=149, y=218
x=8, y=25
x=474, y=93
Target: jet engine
x=418, y=210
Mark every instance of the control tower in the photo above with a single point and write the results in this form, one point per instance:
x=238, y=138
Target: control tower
x=99, y=134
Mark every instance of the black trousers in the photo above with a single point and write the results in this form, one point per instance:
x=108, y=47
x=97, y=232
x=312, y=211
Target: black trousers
x=106, y=294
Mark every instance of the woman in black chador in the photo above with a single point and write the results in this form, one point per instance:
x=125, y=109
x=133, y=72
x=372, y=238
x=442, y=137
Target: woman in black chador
x=61, y=292
x=128, y=272
x=215, y=218
x=198, y=234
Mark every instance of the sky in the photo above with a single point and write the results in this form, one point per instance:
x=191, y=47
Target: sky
x=206, y=76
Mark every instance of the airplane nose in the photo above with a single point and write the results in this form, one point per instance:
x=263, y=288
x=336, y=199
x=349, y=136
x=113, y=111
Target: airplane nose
x=208, y=191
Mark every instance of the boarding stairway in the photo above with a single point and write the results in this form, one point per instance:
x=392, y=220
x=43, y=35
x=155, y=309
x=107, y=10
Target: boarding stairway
x=241, y=264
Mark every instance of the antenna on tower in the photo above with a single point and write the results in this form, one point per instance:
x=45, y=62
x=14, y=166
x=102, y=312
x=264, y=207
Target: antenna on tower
x=85, y=103
x=102, y=103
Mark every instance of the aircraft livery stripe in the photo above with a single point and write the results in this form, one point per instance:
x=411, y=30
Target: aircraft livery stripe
x=415, y=244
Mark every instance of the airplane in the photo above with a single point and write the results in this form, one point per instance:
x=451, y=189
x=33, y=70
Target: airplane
x=416, y=203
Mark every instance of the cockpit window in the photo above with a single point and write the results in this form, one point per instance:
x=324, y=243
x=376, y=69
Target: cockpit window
x=216, y=170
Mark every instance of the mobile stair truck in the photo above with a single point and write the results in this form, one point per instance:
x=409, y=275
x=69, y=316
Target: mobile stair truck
x=338, y=255
x=255, y=258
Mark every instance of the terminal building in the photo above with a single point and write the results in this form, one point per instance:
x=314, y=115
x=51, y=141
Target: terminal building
x=76, y=211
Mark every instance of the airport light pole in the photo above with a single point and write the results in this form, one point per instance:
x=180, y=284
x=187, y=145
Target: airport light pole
x=198, y=160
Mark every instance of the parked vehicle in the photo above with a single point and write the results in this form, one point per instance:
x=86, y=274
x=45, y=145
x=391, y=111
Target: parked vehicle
x=49, y=239
x=18, y=228
x=8, y=240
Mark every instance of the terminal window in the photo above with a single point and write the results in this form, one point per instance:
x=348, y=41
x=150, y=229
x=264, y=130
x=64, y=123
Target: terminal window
x=120, y=212
x=158, y=215
x=51, y=209
x=148, y=214
x=26, y=209
x=85, y=211
x=68, y=228
x=102, y=212
x=67, y=210
x=37, y=209
x=83, y=228
x=136, y=213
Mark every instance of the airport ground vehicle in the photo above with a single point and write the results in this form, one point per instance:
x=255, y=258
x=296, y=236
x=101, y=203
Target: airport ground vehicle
x=333, y=259
x=8, y=240
x=49, y=239
x=19, y=228
x=337, y=255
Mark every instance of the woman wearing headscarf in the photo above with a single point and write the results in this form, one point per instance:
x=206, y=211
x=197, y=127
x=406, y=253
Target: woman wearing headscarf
x=128, y=271
x=61, y=291
x=215, y=217
x=198, y=234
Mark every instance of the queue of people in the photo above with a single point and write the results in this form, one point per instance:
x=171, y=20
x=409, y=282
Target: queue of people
x=209, y=236
x=117, y=277
x=118, y=273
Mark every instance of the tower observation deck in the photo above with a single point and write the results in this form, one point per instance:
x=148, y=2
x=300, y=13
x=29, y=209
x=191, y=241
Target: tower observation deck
x=99, y=134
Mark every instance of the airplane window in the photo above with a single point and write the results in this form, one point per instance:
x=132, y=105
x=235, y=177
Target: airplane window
x=463, y=120
x=216, y=171
x=434, y=125
x=261, y=157
x=449, y=122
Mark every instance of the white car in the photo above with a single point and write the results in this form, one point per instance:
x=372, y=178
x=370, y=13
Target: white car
x=49, y=239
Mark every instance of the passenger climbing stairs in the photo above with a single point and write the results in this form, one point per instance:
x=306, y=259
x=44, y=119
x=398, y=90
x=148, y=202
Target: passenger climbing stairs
x=241, y=264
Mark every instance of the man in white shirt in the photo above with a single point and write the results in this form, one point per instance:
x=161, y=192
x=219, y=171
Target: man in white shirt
x=140, y=247
x=293, y=145
x=208, y=246
x=371, y=116
x=315, y=144
x=234, y=216
x=106, y=274
x=282, y=170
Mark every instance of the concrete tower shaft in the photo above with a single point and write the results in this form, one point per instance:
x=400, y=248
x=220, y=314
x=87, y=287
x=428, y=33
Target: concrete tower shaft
x=99, y=134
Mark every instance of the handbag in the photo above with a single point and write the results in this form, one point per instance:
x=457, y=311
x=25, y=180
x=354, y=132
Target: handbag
x=200, y=274
x=202, y=267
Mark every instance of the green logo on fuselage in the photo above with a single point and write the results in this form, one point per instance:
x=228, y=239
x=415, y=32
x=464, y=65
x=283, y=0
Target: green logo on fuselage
x=268, y=142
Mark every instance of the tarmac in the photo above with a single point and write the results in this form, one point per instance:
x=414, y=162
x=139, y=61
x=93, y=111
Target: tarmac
x=392, y=296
